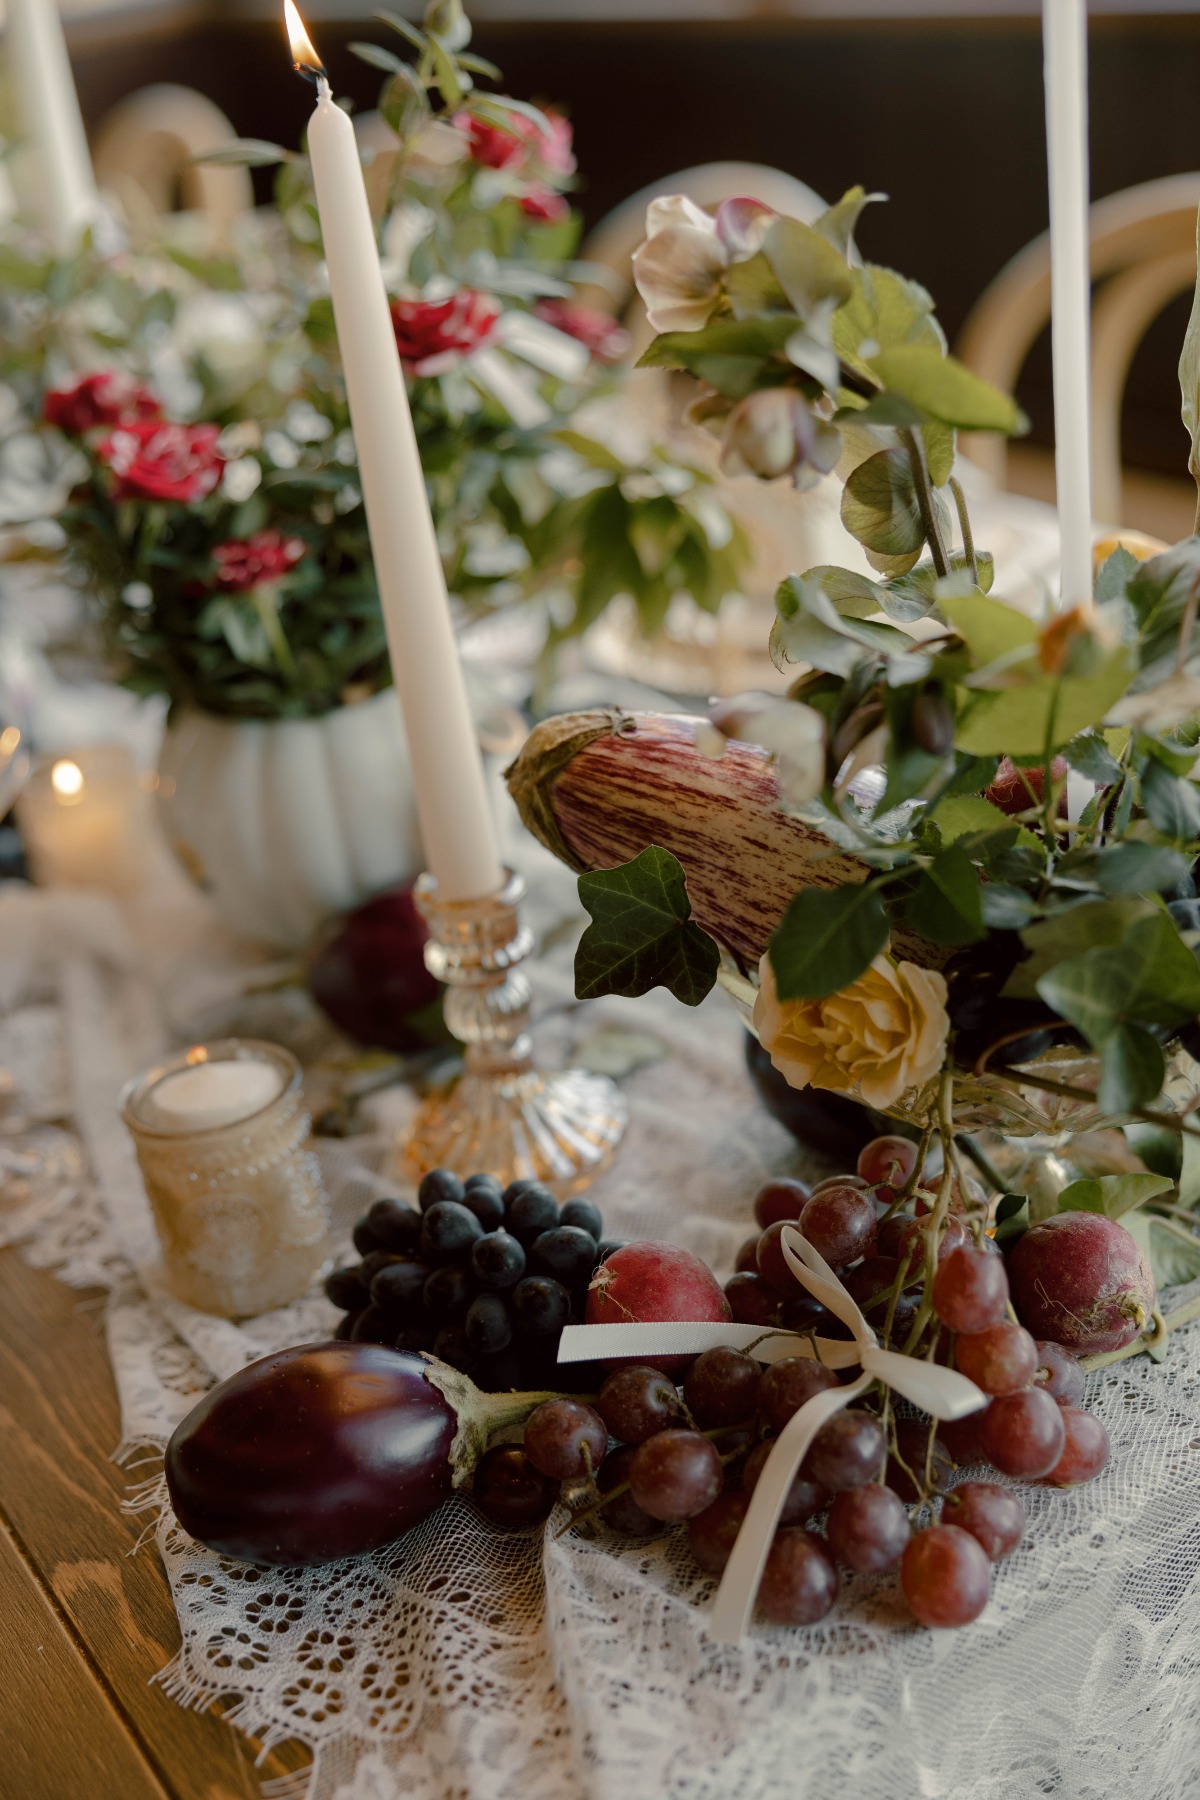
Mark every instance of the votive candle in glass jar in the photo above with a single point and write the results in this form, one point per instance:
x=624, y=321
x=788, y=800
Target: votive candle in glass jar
x=85, y=820
x=222, y=1133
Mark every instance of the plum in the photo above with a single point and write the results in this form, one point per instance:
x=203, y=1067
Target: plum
x=1079, y=1279
x=327, y=1450
x=367, y=974
x=647, y=1280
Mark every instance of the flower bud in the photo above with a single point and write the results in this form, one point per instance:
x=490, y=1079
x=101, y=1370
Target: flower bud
x=933, y=722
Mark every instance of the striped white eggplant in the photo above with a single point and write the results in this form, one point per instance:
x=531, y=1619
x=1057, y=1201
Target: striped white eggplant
x=598, y=787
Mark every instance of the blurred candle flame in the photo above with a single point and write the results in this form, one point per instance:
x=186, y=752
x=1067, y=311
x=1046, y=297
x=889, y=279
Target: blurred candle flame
x=66, y=778
x=304, y=57
x=197, y=1054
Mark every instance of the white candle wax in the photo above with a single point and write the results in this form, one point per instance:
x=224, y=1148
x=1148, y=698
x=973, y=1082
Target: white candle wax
x=1064, y=24
x=213, y=1093
x=40, y=71
x=459, y=836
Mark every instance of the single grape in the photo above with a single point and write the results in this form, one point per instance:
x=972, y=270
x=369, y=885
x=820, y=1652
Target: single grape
x=451, y=1346
x=373, y=1326
x=1060, y=1373
x=867, y=1528
x=1023, y=1434
x=752, y=1301
x=746, y=1260
x=1085, y=1451
x=344, y=1329
x=375, y=1260
x=399, y=1287
x=1001, y=1359
x=962, y=1439
x=447, y=1231
x=945, y=1576
x=364, y=1239
x=713, y=1533
x=541, y=1305
x=395, y=1226
x=566, y=1253
x=887, y=1161
x=721, y=1388
x=904, y=1238
x=482, y=1179
x=992, y=1514
x=912, y=1450
x=488, y=1325
x=675, y=1475
x=780, y=1199
x=623, y=1513
x=970, y=1289
x=510, y=1491
x=847, y=1452
x=636, y=1402
x=800, y=1580
x=565, y=1439
x=771, y=1266
x=497, y=1260
x=805, y=1313
x=439, y=1185
x=838, y=1181
x=785, y=1386
x=446, y=1293
x=805, y=1496
x=584, y=1217
x=485, y=1201
x=840, y=1224
x=345, y=1288
x=530, y=1211
x=870, y=1283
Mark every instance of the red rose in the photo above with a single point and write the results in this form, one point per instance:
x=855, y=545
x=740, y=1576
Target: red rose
x=155, y=460
x=246, y=563
x=431, y=335
x=506, y=146
x=607, y=340
x=543, y=203
x=109, y=397
x=554, y=147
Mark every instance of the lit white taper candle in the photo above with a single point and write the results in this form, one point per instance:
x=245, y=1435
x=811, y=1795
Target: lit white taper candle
x=1064, y=26
x=461, y=849
x=40, y=73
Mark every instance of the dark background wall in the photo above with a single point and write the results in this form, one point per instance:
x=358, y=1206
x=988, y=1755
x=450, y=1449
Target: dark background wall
x=945, y=116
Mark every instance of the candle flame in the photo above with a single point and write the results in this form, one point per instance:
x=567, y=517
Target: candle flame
x=10, y=737
x=66, y=778
x=197, y=1054
x=304, y=57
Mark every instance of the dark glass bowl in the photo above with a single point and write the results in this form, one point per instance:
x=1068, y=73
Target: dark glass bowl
x=825, y=1123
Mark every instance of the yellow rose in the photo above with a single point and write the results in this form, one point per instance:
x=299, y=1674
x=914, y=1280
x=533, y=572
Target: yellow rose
x=874, y=1040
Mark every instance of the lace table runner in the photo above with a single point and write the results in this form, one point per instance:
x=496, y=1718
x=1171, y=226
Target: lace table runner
x=464, y=1664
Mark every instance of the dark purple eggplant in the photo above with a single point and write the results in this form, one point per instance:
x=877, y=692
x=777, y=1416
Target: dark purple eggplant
x=328, y=1450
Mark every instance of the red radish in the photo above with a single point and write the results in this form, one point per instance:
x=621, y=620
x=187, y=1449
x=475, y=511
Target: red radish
x=652, y=1281
x=1020, y=790
x=1080, y=1280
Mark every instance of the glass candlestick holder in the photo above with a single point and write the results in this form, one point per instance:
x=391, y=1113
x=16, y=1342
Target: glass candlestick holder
x=503, y=1114
x=239, y=1205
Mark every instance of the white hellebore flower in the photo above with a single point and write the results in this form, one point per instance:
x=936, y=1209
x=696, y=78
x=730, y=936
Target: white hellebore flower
x=678, y=269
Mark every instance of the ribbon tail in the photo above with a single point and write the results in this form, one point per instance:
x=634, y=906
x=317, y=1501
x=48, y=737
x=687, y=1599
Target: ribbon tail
x=651, y=1339
x=942, y=1392
x=736, y=1594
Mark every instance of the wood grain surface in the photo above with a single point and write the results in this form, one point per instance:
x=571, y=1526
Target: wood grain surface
x=84, y=1624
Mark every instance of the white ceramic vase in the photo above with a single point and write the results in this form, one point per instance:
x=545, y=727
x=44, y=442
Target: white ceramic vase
x=287, y=821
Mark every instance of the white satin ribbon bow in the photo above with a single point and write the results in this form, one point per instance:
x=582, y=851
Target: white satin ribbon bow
x=944, y=1393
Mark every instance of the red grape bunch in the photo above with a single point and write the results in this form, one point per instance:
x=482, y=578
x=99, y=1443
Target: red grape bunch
x=482, y=1276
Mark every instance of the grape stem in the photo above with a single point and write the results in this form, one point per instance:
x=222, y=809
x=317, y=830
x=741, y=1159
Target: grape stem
x=933, y=1231
x=1068, y=1092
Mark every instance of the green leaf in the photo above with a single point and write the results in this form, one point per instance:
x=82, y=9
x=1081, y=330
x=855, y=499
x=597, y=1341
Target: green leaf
x=1006, y=908
x=883, y=310
x=1162, y=1150
x=1095, y=924
x=839, y=222
x=945, y=389
x=1020, y=720
x=415, y=38
x=1112, y=577
x=1172, y=1251
x=939, y=454
x=250, y=153
x=1137, y=868
x=990, y=629
x=404, y=104
x=945, y=905
x=1091, y=756
x=881, y=409
x=854, y=596
x=807, y=266
x=810, y=629
x=1112, y=1195
x=1171, y=802
x=378, y=57
x=880, y=506
x=642, y=935
x=1012, y=1217
x=445, y=73
x=957, y=814
x=825, y=940
x=1132, y=1069
x=729, y=354
x=1189, y=374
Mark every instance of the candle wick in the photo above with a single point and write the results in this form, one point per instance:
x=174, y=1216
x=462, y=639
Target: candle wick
x=321, y=82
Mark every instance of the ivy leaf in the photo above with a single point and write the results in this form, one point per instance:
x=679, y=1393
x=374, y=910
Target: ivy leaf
x=825, y=940
x=1161, y=1149
x=1006, y=908
x=642, y=933
x=1095, y=924
x=1137, y=868
x=945, y=389
x=945, y=906
x=1171, y=802
x=1112, y=1195
x=1132, y=1069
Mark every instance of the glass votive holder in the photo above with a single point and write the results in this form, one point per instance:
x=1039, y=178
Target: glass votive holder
x=221, y=1133
x=85, y=820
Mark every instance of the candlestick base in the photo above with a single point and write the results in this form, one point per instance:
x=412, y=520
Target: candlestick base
x=503, y=1115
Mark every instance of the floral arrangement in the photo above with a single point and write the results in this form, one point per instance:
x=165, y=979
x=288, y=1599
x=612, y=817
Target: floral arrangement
x=214, y=504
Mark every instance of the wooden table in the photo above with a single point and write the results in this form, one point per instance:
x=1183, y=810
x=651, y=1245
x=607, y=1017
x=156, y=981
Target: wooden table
x=85, y=1624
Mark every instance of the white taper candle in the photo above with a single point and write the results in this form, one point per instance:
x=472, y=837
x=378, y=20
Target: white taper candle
x=40, y=72
x=1064, y=26
x=461, y=848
